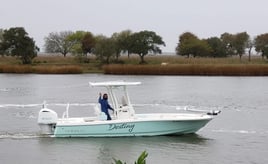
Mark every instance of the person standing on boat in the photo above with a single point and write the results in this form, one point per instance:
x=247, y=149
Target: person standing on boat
x=105, y=105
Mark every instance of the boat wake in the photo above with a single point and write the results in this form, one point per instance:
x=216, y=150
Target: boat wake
x=40, y=105
x=4, y=90
x=234, y=131
x=240, y=131
x=7, y=135
x=19, y=105
x=152, y=106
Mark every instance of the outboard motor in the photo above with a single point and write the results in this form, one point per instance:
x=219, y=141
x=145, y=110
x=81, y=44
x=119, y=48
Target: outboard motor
x=47, y=120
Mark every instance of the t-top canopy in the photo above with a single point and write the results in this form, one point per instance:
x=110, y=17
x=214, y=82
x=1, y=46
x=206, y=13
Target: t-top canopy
x=113, y=83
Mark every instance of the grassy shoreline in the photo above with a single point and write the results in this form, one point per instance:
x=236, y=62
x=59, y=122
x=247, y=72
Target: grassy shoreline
x=190, y=69
x=157, y=65
x=71, y=69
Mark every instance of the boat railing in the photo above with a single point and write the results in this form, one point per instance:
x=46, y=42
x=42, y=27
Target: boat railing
x=66, y=113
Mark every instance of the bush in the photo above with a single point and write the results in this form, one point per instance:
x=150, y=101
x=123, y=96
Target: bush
x=140, y=160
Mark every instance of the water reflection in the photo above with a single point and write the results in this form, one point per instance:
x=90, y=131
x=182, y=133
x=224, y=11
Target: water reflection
x=112, y=141
x=103, y=150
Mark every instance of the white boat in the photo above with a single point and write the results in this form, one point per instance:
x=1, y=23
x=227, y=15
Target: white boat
x=125, y=122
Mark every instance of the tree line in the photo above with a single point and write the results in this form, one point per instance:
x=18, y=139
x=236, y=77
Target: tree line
x=105, y=48
x=227, y=45
x=16, y=42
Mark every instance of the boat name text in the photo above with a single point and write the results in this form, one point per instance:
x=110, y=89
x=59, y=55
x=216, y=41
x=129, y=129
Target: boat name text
x=130, y=127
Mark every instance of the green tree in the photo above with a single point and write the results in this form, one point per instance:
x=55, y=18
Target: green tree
x=189, y=44
x=187, y=36
x=88, y=42
x=201, y=48
x=76, y=39
x=228, y=42
x=105, y=49
x=59, y=42
x=183, y=48
x=77, y=50
x=118, y=48
x=145, y=42
x=122, y=40
x=235, y=44
x=16, y=42
x=261, y=44
x=217, y=46
x=240, y=43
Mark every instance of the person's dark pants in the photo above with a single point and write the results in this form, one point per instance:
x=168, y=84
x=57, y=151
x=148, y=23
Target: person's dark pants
x=108, y=116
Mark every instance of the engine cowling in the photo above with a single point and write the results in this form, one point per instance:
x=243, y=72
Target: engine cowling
x=47, y=116
x=47, y=120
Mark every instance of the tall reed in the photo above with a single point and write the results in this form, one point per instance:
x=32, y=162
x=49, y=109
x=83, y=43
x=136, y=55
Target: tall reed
x=16, y=69
x=45, y=69
x=189, y=69
x=58, y=69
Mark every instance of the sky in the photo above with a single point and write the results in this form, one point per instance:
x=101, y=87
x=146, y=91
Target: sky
x=168, y=18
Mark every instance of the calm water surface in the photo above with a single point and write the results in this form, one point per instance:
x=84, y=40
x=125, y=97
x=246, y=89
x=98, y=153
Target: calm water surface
x=238, y=135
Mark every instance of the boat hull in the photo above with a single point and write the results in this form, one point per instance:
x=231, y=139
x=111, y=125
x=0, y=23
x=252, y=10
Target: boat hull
x=130, y=128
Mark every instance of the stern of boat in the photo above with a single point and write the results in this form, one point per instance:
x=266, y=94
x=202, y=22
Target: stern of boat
x=47, y=120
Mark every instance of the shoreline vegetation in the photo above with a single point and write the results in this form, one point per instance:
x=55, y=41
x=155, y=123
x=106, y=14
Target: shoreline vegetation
x=189, y=69
x=156, y=65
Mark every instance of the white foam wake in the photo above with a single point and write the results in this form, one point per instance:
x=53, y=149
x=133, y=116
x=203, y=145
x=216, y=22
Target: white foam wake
x=40, y=105
x=19, y=105
x=151, y=106
x=21, y=136
x=235, y=131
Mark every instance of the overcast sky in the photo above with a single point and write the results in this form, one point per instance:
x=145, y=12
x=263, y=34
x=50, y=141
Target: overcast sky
x=168, y=18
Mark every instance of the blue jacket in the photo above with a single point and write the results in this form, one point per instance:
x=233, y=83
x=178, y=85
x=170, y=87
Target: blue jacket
x=105, y=106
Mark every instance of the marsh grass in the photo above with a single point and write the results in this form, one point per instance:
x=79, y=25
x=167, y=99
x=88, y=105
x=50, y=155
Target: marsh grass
x=54, y=59
x=15, y=69
x=40, y=69
x=69, y=69
x=49, y=64
x=189, y=69
x=171, y=59
x=174, y=65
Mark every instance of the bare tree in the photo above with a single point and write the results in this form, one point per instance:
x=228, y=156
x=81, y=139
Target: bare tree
x=59, y=42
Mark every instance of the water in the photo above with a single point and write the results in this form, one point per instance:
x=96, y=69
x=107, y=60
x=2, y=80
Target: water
x=238, y=135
